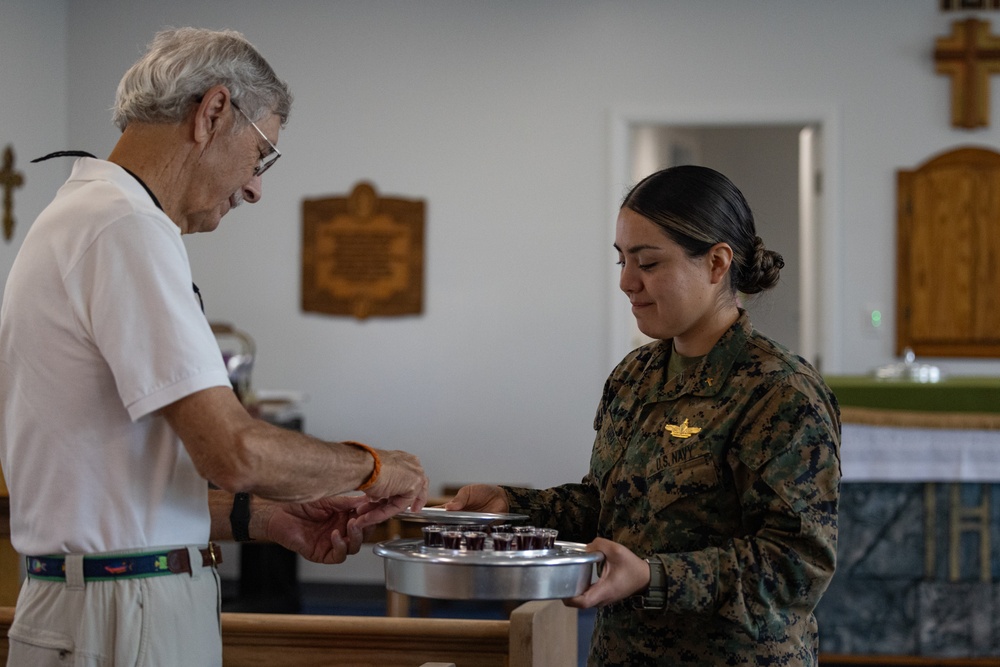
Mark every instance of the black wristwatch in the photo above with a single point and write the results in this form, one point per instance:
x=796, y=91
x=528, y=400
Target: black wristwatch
x=655, y=596
x=239, y=518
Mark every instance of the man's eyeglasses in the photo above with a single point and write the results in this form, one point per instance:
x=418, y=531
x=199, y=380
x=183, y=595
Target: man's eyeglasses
x=266, y=161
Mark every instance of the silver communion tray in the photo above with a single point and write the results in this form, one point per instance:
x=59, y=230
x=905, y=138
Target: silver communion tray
x=450, y=574
x=456, y=517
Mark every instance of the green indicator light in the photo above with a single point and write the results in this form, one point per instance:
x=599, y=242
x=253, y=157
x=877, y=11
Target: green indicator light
x=876, y=318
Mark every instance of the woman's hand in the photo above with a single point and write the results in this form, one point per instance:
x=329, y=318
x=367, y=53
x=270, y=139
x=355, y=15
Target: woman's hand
x=479, y=498
x=624, y=574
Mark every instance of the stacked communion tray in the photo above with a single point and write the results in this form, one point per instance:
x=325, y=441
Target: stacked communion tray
x=483, y=556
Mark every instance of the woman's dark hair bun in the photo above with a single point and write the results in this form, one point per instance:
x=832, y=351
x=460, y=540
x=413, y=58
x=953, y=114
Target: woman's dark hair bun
x=762, y=271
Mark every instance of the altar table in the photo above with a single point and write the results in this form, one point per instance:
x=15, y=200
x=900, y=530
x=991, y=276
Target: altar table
x=901, y=446
x=952, y=394
x=918, y=569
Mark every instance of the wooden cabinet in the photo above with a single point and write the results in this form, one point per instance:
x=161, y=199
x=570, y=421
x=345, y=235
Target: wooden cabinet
x=948, y=256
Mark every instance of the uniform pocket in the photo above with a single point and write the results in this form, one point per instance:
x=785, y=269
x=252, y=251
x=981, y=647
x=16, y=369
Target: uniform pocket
x=608, y=451
x=693, y=477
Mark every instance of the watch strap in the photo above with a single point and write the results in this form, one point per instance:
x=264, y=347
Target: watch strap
x=239, y=518
x=655, y=595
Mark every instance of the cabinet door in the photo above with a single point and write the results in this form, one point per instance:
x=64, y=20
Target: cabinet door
x=948, y=244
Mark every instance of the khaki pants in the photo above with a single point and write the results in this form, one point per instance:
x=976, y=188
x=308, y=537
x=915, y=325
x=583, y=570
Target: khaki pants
x=142, y=622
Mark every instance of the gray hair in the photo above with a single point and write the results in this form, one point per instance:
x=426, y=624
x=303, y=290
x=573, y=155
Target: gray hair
x=181, y=64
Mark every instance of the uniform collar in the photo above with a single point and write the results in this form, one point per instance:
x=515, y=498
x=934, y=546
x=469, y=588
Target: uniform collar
x=705, y=378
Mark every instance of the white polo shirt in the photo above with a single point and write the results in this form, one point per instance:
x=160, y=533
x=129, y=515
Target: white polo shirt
x=99, y=329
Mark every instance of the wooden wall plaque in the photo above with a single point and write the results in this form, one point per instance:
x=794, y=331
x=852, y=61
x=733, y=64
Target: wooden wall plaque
x=363, y=255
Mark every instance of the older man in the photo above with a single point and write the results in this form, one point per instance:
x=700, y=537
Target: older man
x=116, y=405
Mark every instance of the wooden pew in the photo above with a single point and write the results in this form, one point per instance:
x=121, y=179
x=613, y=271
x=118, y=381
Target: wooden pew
x=538, y=634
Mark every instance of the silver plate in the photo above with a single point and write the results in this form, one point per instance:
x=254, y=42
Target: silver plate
x=457, y=517
x=449, y=574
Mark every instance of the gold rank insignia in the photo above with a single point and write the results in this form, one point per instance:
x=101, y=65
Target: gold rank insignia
x=682, y=431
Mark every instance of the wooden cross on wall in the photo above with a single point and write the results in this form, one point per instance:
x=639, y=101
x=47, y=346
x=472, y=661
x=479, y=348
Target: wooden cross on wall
x=9, y=179
x=969, y=55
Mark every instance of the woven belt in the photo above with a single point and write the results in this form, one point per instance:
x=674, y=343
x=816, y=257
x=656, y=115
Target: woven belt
x=104, y=568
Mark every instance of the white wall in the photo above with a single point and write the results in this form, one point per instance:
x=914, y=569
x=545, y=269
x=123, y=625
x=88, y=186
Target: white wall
x=499, y=115
x=33, y=107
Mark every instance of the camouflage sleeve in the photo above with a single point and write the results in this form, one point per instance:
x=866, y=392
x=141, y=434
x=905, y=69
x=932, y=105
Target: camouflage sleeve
x=572, y=509
x=786, y=465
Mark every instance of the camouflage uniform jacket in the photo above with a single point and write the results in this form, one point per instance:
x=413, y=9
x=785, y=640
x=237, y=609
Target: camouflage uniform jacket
x=728, y=475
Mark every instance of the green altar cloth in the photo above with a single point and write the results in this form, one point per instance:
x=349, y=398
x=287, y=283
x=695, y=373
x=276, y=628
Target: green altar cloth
x=952, y=394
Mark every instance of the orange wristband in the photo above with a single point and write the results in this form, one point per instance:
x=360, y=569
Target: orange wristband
x=367, y=484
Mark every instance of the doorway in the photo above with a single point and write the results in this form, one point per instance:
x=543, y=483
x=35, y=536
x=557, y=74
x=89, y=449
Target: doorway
x=778, y=165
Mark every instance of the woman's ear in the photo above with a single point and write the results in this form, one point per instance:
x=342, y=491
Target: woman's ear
x=720, y=257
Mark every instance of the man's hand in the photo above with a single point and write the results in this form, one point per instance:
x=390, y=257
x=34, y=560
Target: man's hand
x=323, y=531
x=401, y=484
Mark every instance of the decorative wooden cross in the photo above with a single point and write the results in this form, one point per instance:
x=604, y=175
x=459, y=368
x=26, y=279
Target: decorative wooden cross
x=969, y=55
x=9, y=179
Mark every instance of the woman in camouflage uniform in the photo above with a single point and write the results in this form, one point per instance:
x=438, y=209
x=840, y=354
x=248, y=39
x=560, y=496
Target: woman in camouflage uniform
x=713, y=482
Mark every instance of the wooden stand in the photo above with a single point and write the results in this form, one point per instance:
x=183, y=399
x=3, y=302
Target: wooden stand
x=538, y=634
